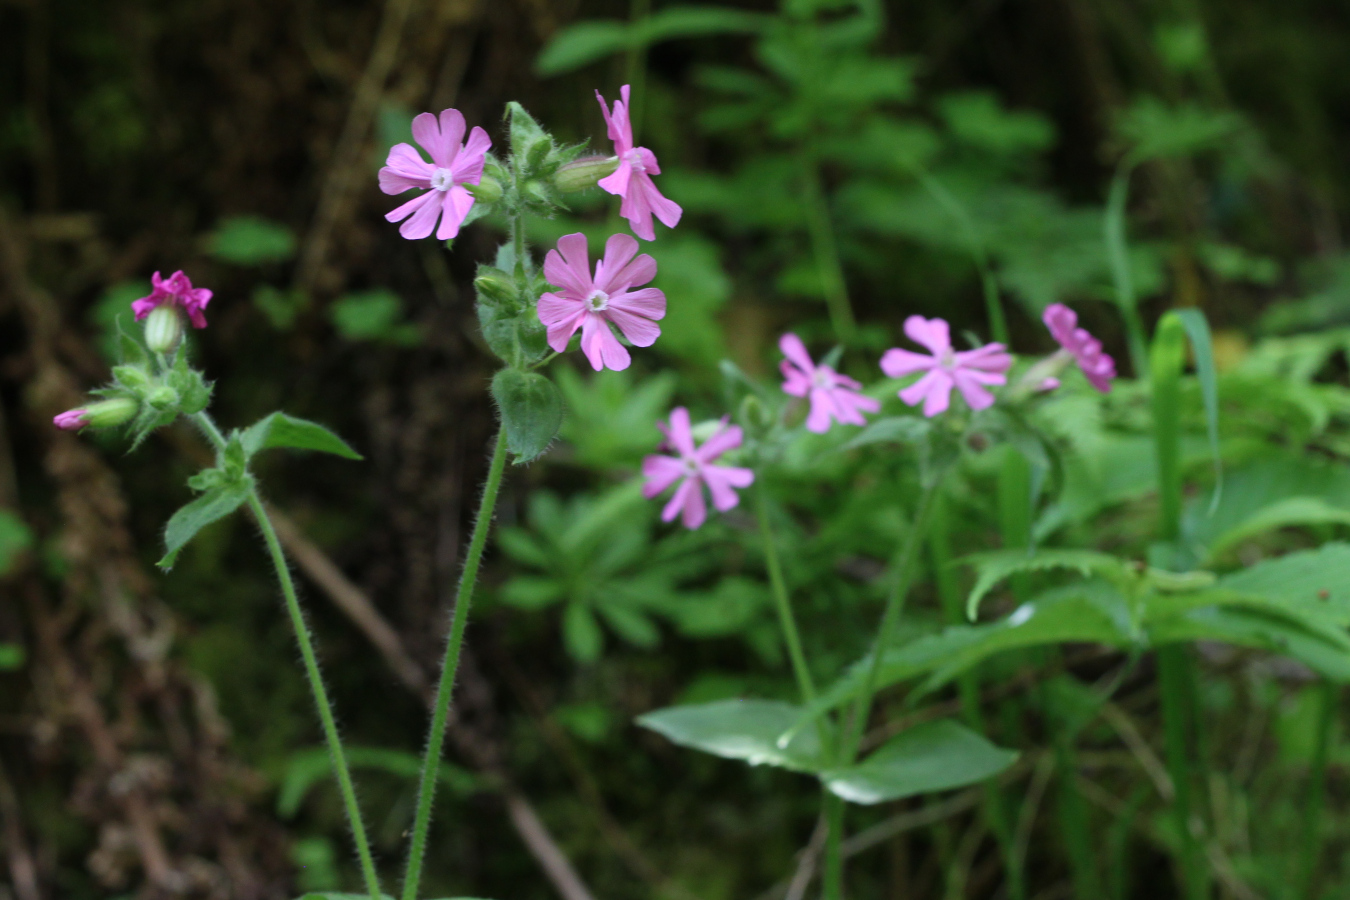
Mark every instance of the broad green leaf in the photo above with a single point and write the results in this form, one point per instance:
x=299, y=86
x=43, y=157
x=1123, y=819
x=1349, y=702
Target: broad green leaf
x=1283, y=634
x=251, y=241
x=693, y=21
x=280, y=430
x=995, y=567
x=1202, y=345
x=935, y=756
x=892, y=429
x=15, y=538
x=1158, y=131
x=740, y=729
x=1317, y=579
x=581, y=633
x=212, y=506
x=1284, y=513
x=374, y=315
x=531, y=409
x=581, y=44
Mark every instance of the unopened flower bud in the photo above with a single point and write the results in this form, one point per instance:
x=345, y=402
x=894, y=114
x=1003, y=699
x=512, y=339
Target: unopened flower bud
x=495, y=286
x=535, y=191
x=131, y=376
x=111, y=413
x=488, y=190
x=163, y=329
x=72, y=419
x=584, y=173
x=162, y=397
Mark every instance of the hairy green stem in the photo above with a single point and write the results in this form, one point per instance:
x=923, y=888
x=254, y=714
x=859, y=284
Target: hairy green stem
x=826, y=250
x=426, y=791
x=311, y=662
x=998, y=321
x=894, y=603
x=805, y=684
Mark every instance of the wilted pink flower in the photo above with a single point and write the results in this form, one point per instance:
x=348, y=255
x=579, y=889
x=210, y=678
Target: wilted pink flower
x=1086, y=350
x=833, y=396
x=176, y=290
x=72, y=419
x=452, y=166
x=969, y=371
x=633, y=179
x=695, y=466
x=592, y=303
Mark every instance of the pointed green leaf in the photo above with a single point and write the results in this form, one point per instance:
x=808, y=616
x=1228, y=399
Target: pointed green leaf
x=281, y=430
x=995, y=567
x=935, y=756
x=209, y=507
x=1197, y=329
x=740, y=729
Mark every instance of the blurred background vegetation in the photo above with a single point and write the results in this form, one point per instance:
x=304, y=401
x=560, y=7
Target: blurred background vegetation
x=156, y=739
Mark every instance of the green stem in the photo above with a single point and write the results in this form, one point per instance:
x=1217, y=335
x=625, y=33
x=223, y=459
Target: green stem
x=1174, y=675
x=998, y=321
x=1313, y=806
x=426, y=790
x=786, y=619
x=832, y=878
x=1118, y=255
x=826, y=251
x=311, y=662
x=894, y=603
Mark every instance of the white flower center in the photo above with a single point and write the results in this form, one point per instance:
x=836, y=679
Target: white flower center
x=597, y=301
x=948, y=359
x=691, y=466
x=442, y=180
x=823, y=378
x=634, y=158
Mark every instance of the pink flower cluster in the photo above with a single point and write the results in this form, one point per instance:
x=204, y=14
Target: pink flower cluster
x=176, y=291
x=833, y=396
x=693, y=467
x=1085, y=349
x=969, y=371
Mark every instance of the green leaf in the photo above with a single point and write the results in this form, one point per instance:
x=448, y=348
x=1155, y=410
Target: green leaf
x=581, y=633
x=740, y=729
x=1158, y=131
x=374, y=315
x=209, y=507
x=581, y=44
x=935, y=756
x=995, y=567
x=892, y=429
x=12, y=656
x=1317, y=579
x=693, y=21
x=1197, y=329
x=15, y=538
x=1282, y=633
x=531, y=409
x=280, y=430
x=251, y=241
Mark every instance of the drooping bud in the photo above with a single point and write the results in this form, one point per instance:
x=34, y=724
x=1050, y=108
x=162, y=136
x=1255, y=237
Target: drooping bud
x=584, y=173
x=163, y=328
x=110, y=413
x=488, y=190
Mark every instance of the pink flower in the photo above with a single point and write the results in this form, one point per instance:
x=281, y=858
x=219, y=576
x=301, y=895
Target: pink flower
x=591, y=304
x=1099, y=367
x=695, y=466
x=452, y=166
x=833, y=396
x=633, y=179
x=969, y=371
x=72, y=420
x=176, y=290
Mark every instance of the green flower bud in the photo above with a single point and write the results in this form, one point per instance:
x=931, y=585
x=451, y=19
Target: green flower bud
x=163, y=329
x=496, y=286
x=488, y=190
x=584, y=173
x=535, y=192
x=111, y=413
x=162, y=397
x=131, y=376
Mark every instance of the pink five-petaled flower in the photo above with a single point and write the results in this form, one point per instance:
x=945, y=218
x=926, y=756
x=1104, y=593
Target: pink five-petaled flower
x=633, y=179
x=1086, y=350
x=452, y=166
x=176, y=290
x=592, y=303
x=833, y=396
x=72, y=420
x=969, y=371
x=695, y=466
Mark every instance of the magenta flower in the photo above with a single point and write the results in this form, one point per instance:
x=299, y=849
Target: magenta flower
x=968, y=371
x=72, y=419
x=695, y=466
x=833, y=396
x=592, y=304
x=633, y=179
x=452, y=166
x=174, y=291
x=1086, y=350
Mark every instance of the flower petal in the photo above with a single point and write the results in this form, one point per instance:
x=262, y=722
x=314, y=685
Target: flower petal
x=562, y=317
x=898, y=363
x=667, y=210
x=619, y=250
x=650, y=303
x=931, y=333
x=600, y=345
x=721, y=480
x=404, y=168
x=468, y=167
x=423, y=210
x=457, y=204
x=724, y=439
x=661, y=472
x=933, y=388
x=639, y=331
x=568, y=267
x=976, y=396
x=795, y=351
x=680, y=498
x=822, y=411
x=679, y=433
